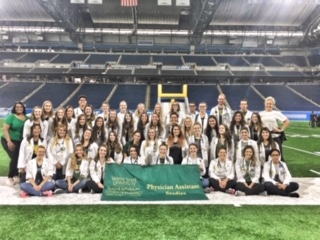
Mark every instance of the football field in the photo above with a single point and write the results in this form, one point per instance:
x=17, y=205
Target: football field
x=302, y=154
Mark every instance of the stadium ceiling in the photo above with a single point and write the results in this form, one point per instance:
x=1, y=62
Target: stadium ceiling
x=215, y=18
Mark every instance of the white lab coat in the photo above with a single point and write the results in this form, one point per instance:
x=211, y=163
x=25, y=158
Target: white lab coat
x=26, y=151
x=204, y=147
x=46, y=169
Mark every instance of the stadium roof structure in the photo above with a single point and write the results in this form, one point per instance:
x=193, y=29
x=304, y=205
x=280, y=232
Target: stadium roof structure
x=250, y=23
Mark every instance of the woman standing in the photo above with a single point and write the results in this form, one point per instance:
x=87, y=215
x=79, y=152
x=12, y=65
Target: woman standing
x=99, y=132
x=177, y=144
x=89, y=112
x=113, y=124
x=89, y=146
x=35, y=118
x=248, y=173
x=105, y=112
x=60, y=148
x=237, y=123
x=255, y=126
x=71, y=118
x=265, y=144
x=270, y=119
x=150, y=147
x=212, y=129
x=127, y=128
x=39, y=176
x=114, y=147
x=47, y=115
x=78, y=129
x=12, y=137
x=28, y=149
x=142, y=124
x=97, y=170
x=76, y=173
x=223, y=140
x=59, y=119
x=187, y=127
x=155, y=123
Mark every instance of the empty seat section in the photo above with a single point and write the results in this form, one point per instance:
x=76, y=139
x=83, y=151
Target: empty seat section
x=314, y=60
x=133, y=94
x=298, y=60
x=55, y=92
x=49, y=70
x=87, y=71
x=250, y=73
x=10, y=55
x=168, y=60
x=213, y=73
x=286, y=73
x=200, y=60
x=95, y=93
x=235, y=93
x=266, y=61
x=286, y=100
x=309, y=91
x=146, y=72
x=177, y=72
x=15, y=91
x=102, y=59
x=118, y=72
x=203, y=93
x=33, y=57
x=135, y=60
x=66, y=58
x=14, y=70
x=232, y=60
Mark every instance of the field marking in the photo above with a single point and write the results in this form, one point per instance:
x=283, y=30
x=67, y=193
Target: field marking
x=299, y=150
x=314, y=171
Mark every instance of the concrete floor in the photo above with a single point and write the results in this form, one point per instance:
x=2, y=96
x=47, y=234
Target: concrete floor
x=309, y=195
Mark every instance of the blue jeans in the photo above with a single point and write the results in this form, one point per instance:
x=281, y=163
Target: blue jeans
x=63, y=184
x=28, y=188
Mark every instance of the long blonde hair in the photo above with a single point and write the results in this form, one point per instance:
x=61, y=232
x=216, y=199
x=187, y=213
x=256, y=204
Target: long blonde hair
x=74, y=159
x=56, y=136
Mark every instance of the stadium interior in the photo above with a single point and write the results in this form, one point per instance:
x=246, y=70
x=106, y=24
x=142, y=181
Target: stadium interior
x=244, y=48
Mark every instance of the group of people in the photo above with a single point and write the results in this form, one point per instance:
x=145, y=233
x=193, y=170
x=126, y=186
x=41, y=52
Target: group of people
x=68, y=150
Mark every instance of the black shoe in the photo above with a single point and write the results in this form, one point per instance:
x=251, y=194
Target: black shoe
x=296, y=195
x=59, y=191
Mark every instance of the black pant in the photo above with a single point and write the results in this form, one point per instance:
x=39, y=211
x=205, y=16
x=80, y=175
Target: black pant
x=274, y=190
x=215, y=184
x=92, y=185
x=13, y=155
x=255, y=190
x=279, y=141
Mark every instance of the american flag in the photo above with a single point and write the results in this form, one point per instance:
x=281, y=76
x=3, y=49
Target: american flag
x=129, y=3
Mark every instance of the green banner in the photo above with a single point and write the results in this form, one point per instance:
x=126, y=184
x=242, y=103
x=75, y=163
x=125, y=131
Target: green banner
x=129, y=182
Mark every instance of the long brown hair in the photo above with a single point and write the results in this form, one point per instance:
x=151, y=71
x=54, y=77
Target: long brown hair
x=181, y=138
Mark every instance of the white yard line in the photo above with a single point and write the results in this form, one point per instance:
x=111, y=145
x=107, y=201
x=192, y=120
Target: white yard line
x=299, y=150
x=314, y=171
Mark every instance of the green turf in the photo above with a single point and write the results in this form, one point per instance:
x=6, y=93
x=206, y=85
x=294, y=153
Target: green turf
x=159, y=222
x=299, y=163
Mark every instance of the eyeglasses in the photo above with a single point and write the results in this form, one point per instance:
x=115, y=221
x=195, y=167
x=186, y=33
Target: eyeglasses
x=274, y=155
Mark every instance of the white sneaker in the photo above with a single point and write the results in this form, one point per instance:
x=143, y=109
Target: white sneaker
x=264, y=193
x=240, y=193
x=80, y=191
x=10, y=181
x=92, y=192
x=16, y=180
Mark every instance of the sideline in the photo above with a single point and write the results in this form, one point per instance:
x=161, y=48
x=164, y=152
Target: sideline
x=314, y=171
x=299, y=150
